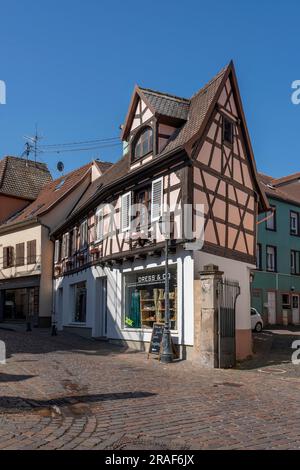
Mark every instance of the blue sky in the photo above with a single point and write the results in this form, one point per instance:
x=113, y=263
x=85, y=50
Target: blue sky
x=70, y=66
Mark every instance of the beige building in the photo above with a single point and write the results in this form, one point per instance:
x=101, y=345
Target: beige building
x=26, y=251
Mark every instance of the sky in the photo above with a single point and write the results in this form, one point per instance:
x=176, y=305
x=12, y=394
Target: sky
x=70, y=67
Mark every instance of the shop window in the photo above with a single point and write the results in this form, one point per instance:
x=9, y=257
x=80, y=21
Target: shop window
x=80, y=302
x=145, y=298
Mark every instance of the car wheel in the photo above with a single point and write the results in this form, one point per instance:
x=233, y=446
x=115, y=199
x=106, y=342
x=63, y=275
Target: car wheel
x=258, y=327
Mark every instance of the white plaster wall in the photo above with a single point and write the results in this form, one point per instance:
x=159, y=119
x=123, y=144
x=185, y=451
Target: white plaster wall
x=234, y=270
x=115, y=306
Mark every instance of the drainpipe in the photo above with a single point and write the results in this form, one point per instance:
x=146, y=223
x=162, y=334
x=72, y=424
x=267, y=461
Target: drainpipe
x=53, y=322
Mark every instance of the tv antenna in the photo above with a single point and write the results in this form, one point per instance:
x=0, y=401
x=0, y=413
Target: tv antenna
x=31, y=145
x=60, y=167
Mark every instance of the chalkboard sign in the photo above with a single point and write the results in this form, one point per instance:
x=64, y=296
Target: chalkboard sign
x=155, y=342
x=156, y=339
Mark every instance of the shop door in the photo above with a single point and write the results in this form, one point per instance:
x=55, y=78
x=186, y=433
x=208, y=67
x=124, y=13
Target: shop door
x=272, y=308
x=295, y=309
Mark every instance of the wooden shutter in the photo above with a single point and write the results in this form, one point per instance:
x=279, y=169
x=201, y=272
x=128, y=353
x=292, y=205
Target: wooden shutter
x=5, y=258
x=156, y=199
x=31, y=252
x=99, y=225
x=125, y=211
x=20, y=253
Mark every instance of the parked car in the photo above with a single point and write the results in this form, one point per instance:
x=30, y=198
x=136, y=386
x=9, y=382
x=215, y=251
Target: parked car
x=256, y=320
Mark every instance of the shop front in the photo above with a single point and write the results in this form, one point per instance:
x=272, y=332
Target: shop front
x=144, y=293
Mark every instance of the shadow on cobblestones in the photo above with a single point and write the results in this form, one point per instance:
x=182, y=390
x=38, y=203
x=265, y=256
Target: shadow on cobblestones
x=8, y=403
x=14, y=378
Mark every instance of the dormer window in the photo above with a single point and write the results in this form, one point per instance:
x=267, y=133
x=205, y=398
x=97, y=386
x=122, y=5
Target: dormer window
x=143, y=143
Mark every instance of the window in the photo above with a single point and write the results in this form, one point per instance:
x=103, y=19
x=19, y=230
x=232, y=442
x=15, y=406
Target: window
x=143, y=143
x=295, y=262
x=57, y=251
x=227, y=131
x=83, y=232
x=145, y=298
x=73, y=242
x=294, y=223
x=20, y=254
x=99, y=225
x=285, y=300
x=80, y=303
x=156, y=199
x=142, y=200
x=271, y=219
x=8, y=257
x=258, y=256
x=125, y=212
x=271, y=258
x=31, y=252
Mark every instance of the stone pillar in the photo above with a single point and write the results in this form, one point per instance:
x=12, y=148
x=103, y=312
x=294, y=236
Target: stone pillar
x=206, y=319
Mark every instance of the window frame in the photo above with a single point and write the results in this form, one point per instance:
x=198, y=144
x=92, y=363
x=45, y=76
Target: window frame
x=137, y=137
x=297, y=262
x=293, y=212
x=275, y=259
x=259, y=258
x=229, y=121
x=274, y=218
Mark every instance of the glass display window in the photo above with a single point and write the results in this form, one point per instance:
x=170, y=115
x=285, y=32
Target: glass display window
x=145, y=298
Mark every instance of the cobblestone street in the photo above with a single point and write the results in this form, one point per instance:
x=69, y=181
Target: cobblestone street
x=66, y=392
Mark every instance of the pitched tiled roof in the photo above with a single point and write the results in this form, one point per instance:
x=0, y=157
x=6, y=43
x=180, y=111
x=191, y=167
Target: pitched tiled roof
x=286, y=193
x=103, y=166
x=167, y=105
x=116, y=171
x=199, y=106
x=22, y=178
x=51, y=195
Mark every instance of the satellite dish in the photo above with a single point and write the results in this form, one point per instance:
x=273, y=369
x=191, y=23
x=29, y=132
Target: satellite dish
x=60, y=167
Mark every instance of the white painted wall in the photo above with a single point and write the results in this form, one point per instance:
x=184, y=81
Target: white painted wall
x=115, y=305
x=234, y=270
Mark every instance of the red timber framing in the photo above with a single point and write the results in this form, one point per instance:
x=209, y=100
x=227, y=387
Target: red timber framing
x=202, y=169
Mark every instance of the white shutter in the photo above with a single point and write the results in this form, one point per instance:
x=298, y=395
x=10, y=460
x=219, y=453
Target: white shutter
x=99, y=225
x=156, y=199
x=125, y=211
x=56, y=251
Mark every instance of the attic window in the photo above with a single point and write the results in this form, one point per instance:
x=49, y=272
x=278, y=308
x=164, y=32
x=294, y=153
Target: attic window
x=60, y=184
x=227, y=131
x=143, y=143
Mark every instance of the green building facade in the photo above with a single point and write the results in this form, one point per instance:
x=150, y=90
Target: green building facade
x=276, y=282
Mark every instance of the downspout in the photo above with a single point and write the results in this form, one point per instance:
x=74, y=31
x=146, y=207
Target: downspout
x=53, y=321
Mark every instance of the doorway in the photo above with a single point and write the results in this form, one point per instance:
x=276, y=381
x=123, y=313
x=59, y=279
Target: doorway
x=272, y=308
x=295, y=309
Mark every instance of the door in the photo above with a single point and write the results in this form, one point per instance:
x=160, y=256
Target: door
x=228, y=292
x=295, y=309
x=100, y=321
x=272, y=308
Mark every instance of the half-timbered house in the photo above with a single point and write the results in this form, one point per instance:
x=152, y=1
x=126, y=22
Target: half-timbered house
x=179, y=153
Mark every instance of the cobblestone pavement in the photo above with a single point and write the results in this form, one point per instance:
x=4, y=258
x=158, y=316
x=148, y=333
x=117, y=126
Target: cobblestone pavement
x=66, y=392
